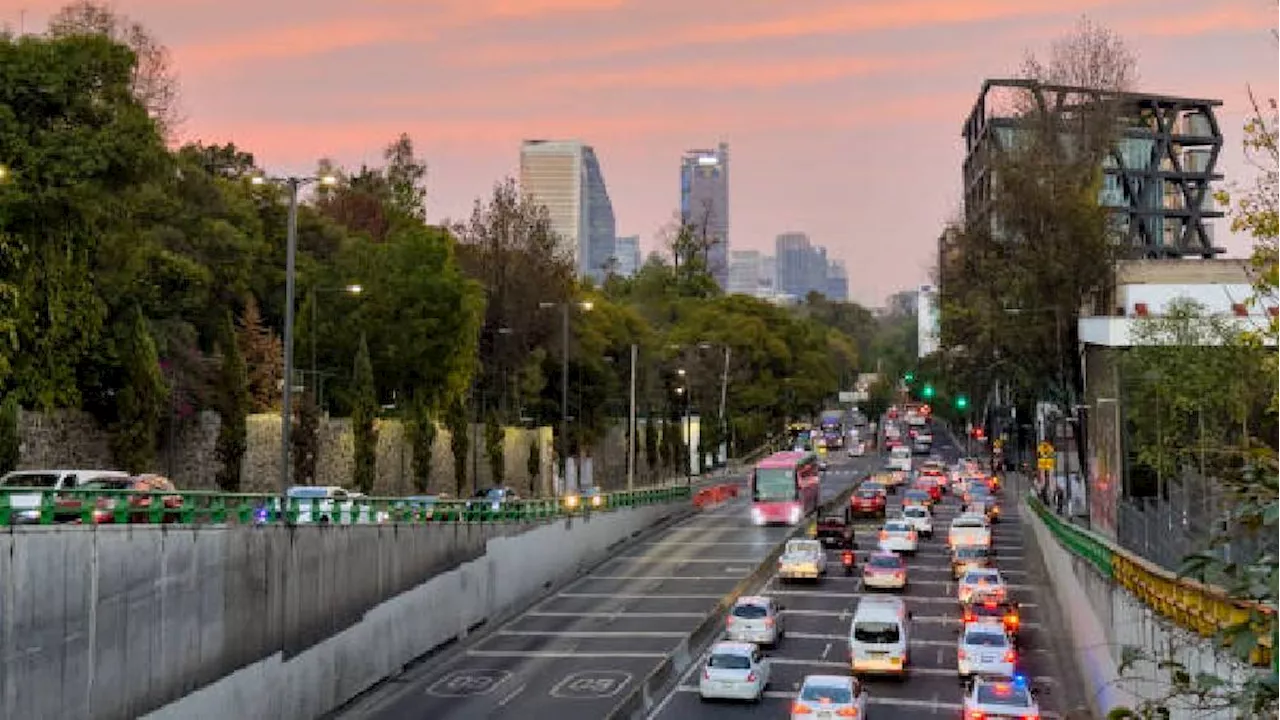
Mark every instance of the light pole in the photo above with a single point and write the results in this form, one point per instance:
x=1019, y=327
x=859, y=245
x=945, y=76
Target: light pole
x=684, y=392
x=292, y=184
x=631, y=423
x=564, y=381
x=353, y=289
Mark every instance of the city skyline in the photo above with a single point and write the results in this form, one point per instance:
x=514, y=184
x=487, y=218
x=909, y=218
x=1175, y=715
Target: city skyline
x=844, y=122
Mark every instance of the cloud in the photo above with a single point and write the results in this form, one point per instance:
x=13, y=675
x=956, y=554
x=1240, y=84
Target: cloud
x=1220, y=18
x=298, y=41
x=848, y=18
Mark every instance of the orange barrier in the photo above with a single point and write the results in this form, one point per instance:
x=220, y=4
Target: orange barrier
x=715, y=495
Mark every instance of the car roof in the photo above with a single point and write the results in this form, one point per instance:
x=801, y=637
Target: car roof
x=886, y=554
x=837, y=680
x=985, y=625
x=736, y=648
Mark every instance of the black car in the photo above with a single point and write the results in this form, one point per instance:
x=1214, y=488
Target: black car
x=836, y=531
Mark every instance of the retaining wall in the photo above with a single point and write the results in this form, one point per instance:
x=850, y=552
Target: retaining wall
x=268, y=622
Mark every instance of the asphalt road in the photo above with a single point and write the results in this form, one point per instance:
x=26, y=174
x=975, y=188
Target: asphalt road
x=817, y=623
x=577, y=653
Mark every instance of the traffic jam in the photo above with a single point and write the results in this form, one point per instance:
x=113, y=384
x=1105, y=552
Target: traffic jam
x=913, y=600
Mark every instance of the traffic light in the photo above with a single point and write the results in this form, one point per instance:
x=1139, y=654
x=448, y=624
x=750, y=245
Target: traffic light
x=909, y=377
x=962, y=402
x=927, y=392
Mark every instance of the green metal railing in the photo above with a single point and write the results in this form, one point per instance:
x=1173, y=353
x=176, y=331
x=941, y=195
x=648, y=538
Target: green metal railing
x=43, y=506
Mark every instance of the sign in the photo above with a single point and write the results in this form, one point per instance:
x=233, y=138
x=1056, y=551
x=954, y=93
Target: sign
x=848, y=397
x=1045, y=463
x=998, y=444
x=1044, y=449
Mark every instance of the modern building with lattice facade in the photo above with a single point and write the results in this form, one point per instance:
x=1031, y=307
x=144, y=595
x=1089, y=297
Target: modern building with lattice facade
x=1158, y=176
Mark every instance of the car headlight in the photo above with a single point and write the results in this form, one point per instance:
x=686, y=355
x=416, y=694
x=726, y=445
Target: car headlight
x=757, y=516
x=795, y=514
x=571, y=501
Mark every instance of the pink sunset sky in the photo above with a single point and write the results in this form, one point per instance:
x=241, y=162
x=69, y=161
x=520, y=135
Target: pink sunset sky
x=843, y=116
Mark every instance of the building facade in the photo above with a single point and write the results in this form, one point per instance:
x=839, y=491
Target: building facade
x=626, y=253
x=837, y=281
x=704, y=204
x=1157, y=179
x=927, y=321
x=803, y=267
x=744, y=272
x=565, y=177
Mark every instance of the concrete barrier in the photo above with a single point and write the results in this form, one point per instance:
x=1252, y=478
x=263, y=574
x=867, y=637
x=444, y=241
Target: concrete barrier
x=268, y=622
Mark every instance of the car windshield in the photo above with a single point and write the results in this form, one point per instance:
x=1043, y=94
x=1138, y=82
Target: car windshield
x=876, y=632
x=775, y=484
x=868, y=494
x=917, y=494
x=729, y=661
x=750, y=611
x=829, y=693
x=915, y=511
x=1003, y=694
x=885, y=561
x=803, y=546
x=32, y=480
x=967, y=523
x=897, y=527
x=970, y=552
x=983, y=638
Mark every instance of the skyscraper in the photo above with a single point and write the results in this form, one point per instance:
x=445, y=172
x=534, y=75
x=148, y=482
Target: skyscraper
x=704, y=204
x=627, y=252
x=565, y=176
x=792, y=250
x=744, y=272
x=837, y=281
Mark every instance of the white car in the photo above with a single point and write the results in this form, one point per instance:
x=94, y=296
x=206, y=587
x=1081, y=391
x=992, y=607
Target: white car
x=827, y=697
x=734, y=671
x=755, y=619
x=857, y=448
x=898, y=536
x=1001, y=698
x=885, y=570
x=919, y=518
x=986, y=649
x=969, y=529
x=986, y=583
x=802, y=559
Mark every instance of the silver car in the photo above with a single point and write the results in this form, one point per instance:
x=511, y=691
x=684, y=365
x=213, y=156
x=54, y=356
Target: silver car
x=755, y=619
x=830, y=697
x=985, y=649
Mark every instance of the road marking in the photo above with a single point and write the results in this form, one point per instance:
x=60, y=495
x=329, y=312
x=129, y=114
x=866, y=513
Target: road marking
x=911, y=669
x=734, y=578
x=563, y=654
x=618, y=614
x=591, y=684
x=825, y=651
x=591, y=633
x=640, y=596
x=471, y=682
x=705, y=543
x=873, y=700
x=680, y=560
x=512, y=695
x=844, y=615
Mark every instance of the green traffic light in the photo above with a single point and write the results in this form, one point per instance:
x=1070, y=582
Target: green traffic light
x=927, y=392
x=962, y=402
x=909, y=377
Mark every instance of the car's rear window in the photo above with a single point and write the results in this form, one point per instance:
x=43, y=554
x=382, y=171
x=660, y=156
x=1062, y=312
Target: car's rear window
x=750, y=611
x=876, y=632
x=31, y=480
x=729, y=661
x=1004, y=694
x=884, y=561
x=986, y=639
x=829, y=693
x=897, y=527
x=868, y=494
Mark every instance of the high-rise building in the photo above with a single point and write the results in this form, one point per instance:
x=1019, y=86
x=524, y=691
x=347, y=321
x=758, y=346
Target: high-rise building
x=1157, y=182
x=768, y=275
x=626, y=252
x=565, y=176
x=837, y=281
x=704, y=204
x=744, y=272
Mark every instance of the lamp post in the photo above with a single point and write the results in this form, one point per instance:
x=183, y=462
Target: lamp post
x=292, y=184
x=586, y=305
x=353, y=289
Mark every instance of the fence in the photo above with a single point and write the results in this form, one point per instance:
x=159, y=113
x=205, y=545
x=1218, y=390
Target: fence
x=20, y=506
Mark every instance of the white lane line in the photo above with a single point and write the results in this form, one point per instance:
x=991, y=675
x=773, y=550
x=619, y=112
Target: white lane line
x=640, y=596
x=679, y=560
x=593, y=633
x=618, y=614
x=708, y=543
x=512, y=695
x=563, y=654
x=733, y=578
x=825, y=651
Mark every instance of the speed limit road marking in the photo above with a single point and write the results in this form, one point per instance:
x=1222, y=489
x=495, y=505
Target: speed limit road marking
x=468, y=683
x=591, y=684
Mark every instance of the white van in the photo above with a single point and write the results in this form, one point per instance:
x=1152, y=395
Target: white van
x=879, y=636
x=900, y=458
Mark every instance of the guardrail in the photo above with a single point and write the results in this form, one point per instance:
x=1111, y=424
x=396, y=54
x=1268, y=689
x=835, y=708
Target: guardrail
x=715, y=495
x=1194, y=606
x=42, y=506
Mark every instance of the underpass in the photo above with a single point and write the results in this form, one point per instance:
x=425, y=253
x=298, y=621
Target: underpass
x=817, y=619
x=581, y=651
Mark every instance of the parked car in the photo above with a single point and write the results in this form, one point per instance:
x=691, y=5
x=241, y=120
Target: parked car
x=26, y=506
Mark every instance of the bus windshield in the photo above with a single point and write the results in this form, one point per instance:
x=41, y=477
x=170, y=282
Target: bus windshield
x=775, y=484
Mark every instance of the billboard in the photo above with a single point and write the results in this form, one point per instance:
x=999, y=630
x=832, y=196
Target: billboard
x=927, y=320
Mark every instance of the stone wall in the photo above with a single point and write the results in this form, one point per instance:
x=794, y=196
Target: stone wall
x=73, y=439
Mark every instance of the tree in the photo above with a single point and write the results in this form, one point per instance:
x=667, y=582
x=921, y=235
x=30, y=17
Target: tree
x=422, y=437
x=459, y=442
x=10, y=435
x=233, y=408
x=651, y=457
x=533, y=465
x=142, y=399
x=263, y=355
x=364, y=413
x=406, y=178
x=1091, y=56
x=305, y=438
x=495, y=449
x=153, y=81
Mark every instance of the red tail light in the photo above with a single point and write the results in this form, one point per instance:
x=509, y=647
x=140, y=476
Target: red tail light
x=960, y=655
x=729, y=620
x=706, y=673
x=969, y=616
x=800, y=708
x=1011, y=620
x=768, y=622
x=751, y=676
x=976, y=715
x=1010, y=656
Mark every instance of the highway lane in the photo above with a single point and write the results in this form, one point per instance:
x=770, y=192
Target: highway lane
x=577, y=653
x=817, y=621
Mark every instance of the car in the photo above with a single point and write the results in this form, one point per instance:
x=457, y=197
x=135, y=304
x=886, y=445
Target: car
x=857, y=448
x=1005, y=612
x=920, y=518
x=885, y=570
x=868, y=501
x=969, y=529
x=734, y=671
x=824, y=697
x=890, y=479
x=880, y=636
x=836, y=531
x=986, y=583
x=985, y=649
x=755, y=619
x=988, y=698
x=898, y=536
x=930, y=487
x=875, y=485
x=969, y=557
x=979, y=495
x=802, y=559
x=916, y=497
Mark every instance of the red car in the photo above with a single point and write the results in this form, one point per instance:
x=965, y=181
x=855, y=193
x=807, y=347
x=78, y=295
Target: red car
x=868, y=502
x=930, y=486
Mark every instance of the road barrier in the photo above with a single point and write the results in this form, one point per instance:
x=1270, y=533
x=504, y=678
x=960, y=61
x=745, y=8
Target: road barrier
x=43, y=506
x=715, y=495
x=1203, y=609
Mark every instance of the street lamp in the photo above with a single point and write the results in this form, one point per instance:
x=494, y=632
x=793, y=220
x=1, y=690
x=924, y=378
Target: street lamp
x=586, y=306
x=353, y=289
x=292, y=183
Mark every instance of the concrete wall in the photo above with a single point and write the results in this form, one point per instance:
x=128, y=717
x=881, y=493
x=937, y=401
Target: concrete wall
x=270, y=622
x=1103, y=618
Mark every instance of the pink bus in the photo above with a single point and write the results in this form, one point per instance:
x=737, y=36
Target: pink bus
x=785, y=487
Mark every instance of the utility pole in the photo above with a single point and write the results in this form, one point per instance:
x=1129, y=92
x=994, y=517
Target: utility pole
x=564, y=398
x=631, y=424
x=724, y=396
